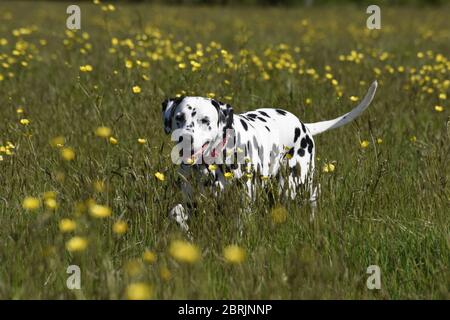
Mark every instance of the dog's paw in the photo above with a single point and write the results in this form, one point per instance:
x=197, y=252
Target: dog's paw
x=178, y=213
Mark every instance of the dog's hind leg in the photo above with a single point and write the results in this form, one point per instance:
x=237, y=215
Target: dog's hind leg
x=301, y=170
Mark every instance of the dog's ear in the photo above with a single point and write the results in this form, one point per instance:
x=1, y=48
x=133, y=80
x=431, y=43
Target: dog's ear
x=225, y=112
x=168, y=110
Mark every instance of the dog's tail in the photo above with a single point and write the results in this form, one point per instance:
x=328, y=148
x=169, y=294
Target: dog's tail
x=322, y=126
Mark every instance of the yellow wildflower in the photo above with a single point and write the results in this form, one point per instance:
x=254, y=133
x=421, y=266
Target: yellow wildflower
x=149, y=256
x=76, y=244
x=234, y=254
x=328, y=167
x=364, y=144
x=139, y=291
x=160, y=176
x=67, y=154
x=57, y=142
x=165, y=273
x=184, y=251
x=30, y=203
x=113, y=140
x=120, y=227
x=67, y=225
x=51, y=203
x=103, y=132
x=228, y=175
x=99, y=211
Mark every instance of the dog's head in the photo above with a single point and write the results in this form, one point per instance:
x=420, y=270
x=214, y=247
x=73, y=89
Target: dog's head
x=203, y=120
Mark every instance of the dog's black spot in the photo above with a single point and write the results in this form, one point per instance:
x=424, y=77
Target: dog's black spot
x=189, y=107
x=252, y=115
x=215, y=104
x=310, y=144
x=255, y=143
x=264, y=114
x=251, y=119
x=267, y=128
x=244, y=125
x=261, y=119
x=301, y=152
x=296, y=134
x=282, y=112
x=303, y=128
x=193, y=113
x=304, y=143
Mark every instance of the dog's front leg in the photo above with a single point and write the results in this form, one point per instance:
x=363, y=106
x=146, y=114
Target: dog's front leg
x=180, y=213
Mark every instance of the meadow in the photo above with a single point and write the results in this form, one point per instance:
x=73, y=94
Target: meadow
x=87, y=180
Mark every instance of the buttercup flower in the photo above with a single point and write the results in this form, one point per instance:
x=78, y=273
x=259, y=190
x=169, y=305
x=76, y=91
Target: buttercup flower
x=228, y=175
x=184, y=251
x=76, y=244
x=57, y=142
x=234, y=254
x=51, y=203
x=30, y=203
x=364, y=144
x=136, y=89
x=149, y=256
x=67, y=225
x=67, y=154
x=160, y=176
x=165, y=273
x=113, y=140
x=25, y=122
x=99, y=211
x=103, y=132
x=328, y=167
x=139, y=291
x=120, y=227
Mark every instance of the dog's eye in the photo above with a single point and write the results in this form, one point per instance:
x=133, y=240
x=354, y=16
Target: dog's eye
x=179, y=117
x=205, y=121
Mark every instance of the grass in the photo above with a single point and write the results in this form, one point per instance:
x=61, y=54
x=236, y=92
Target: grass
x=386, y=204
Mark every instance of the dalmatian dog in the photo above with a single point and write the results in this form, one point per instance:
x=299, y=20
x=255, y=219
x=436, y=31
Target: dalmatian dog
x=216, y=146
